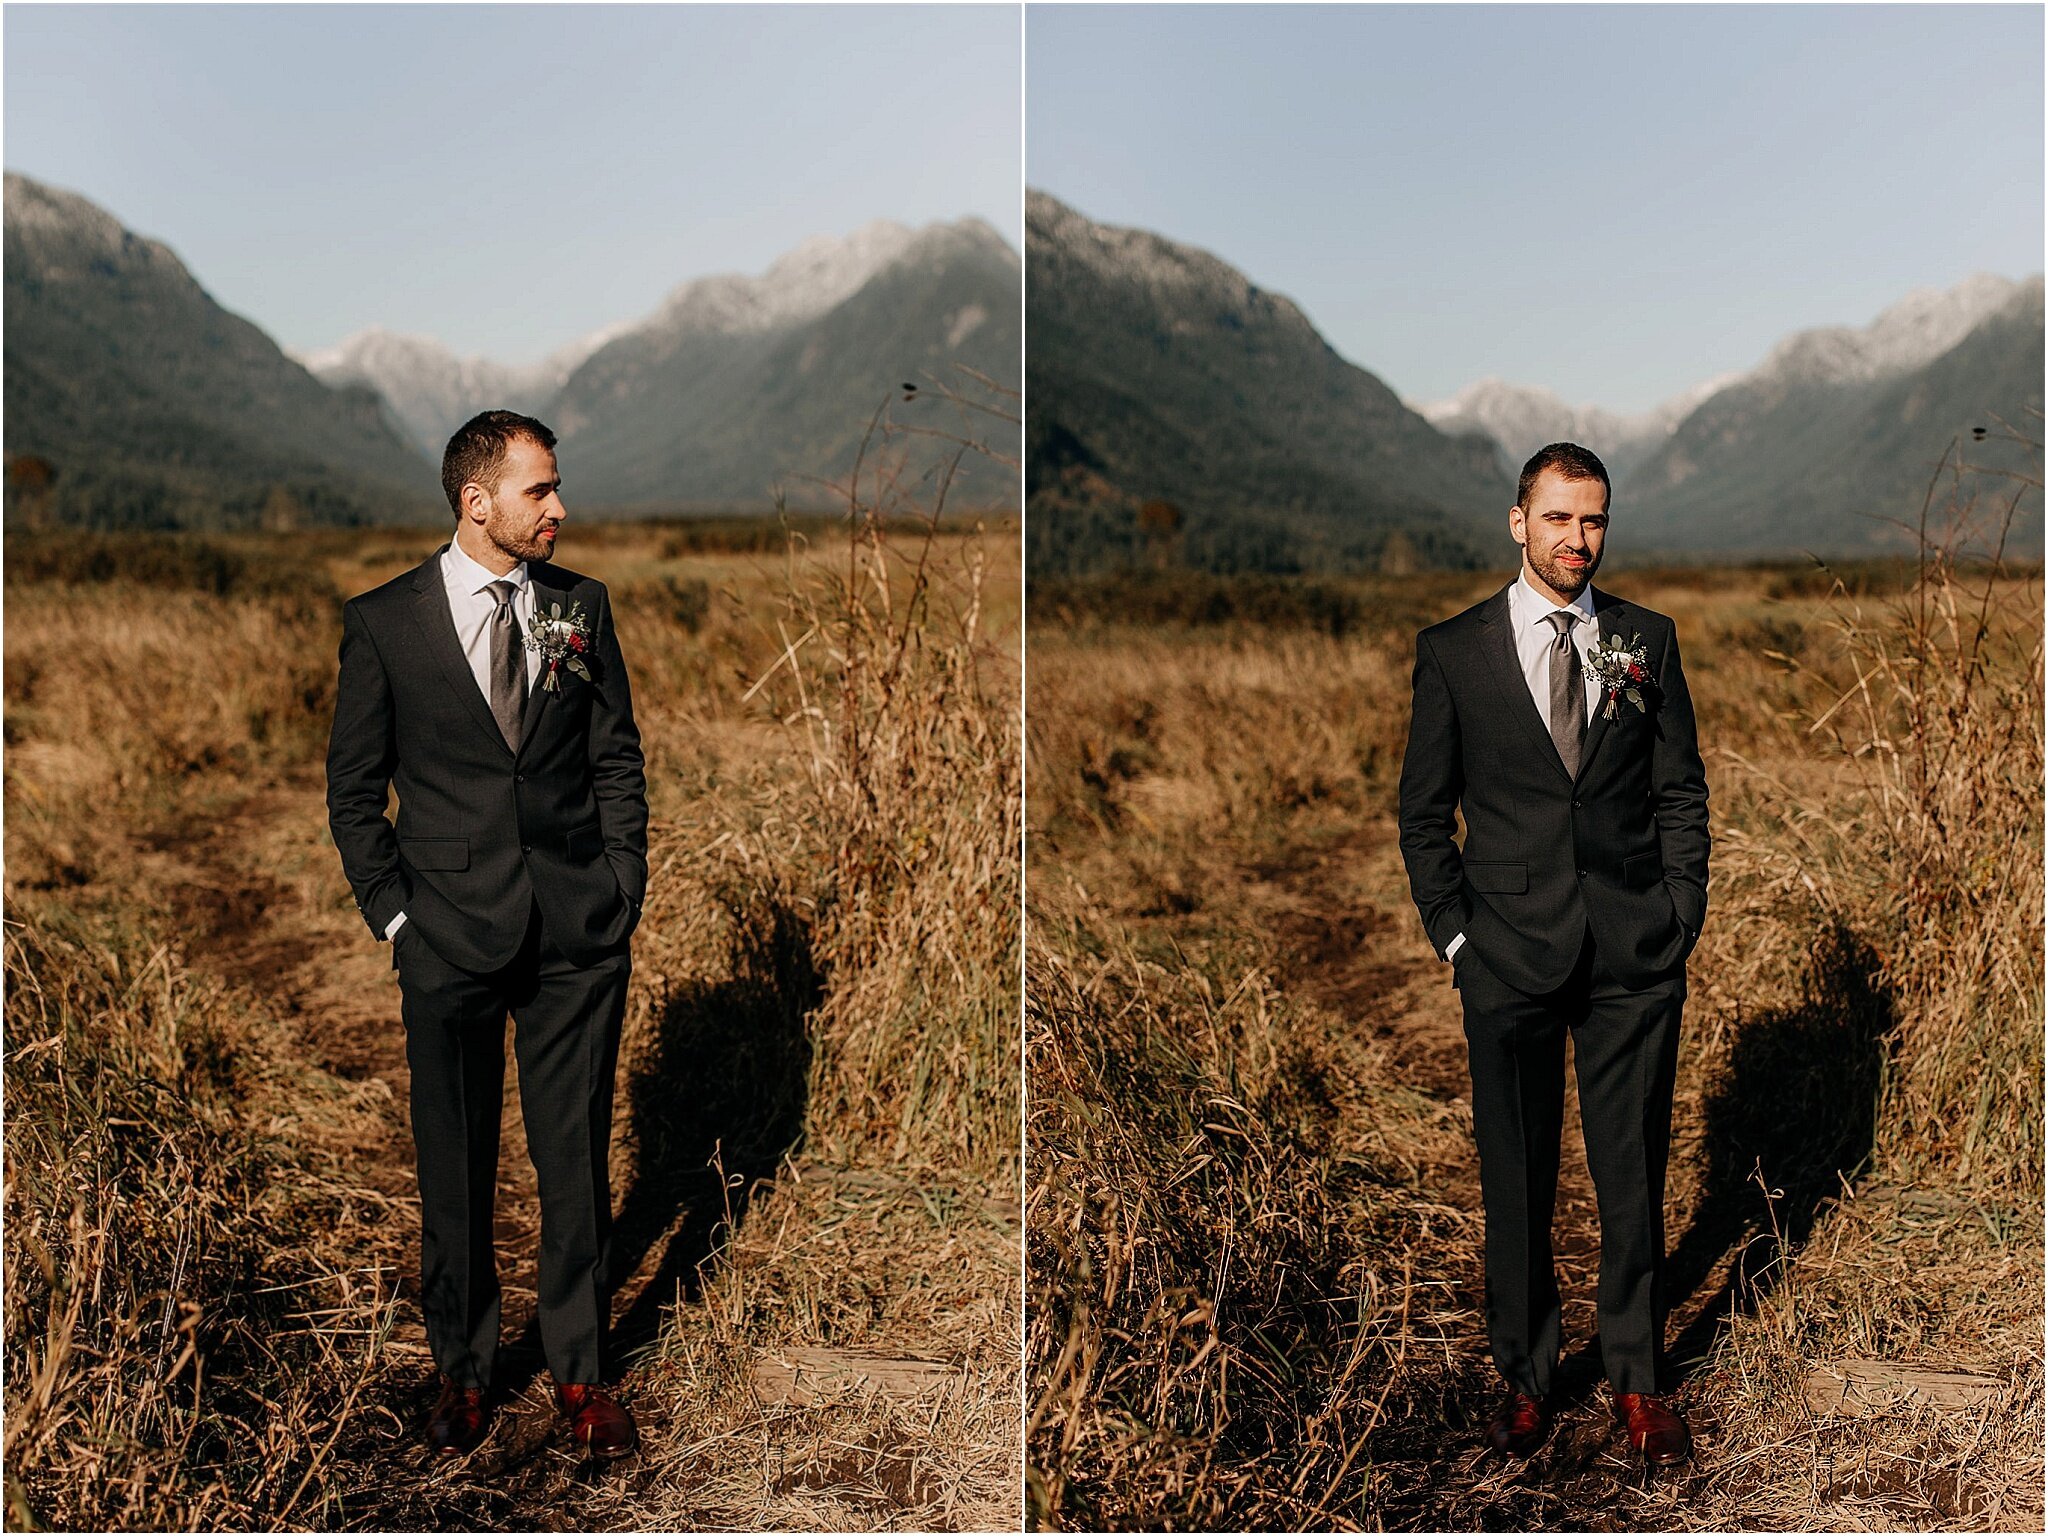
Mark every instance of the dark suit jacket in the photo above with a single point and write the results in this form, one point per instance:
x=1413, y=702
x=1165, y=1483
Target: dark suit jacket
x=483, y=832
x=1622, y=846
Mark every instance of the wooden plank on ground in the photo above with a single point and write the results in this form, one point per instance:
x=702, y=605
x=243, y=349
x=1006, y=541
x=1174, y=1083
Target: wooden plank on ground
x=1858, y=1388
x=802, y=1376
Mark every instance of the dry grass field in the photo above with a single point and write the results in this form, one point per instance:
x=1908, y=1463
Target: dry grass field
x=1252, y=1205
x=212, y=1226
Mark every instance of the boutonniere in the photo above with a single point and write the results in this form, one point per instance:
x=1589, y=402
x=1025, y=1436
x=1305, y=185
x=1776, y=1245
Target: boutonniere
x=1623, y=670
x=562, y=642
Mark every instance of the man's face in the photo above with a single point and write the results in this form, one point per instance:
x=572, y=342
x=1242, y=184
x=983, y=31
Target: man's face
x=1561, y=532
x=522, y=516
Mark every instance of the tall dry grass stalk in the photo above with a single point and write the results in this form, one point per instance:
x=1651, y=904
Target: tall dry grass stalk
x=191, y=1321
x=180, y=1239
x=1167, y=749
x=906, y=716
x=868, y=898
x=191, y=1317
x=1215, y=1336
x=1215, y=1333
x=1928, y=846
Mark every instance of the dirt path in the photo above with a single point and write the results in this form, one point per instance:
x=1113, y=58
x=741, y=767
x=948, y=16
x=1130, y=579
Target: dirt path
x=259, y=895
x=1343, y=919
x=265, y=908
x=1375, y=968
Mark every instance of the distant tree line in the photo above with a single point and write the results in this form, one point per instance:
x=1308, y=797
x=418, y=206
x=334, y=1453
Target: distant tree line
x=42, y=494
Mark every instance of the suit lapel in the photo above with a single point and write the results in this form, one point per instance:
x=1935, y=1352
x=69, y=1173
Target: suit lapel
x=536, y=705
x=1609, y=614
x=1504, y=666
x=430, y=608
x=545, y=595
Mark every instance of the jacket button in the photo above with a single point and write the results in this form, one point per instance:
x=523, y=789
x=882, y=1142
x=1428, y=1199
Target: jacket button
x=1578, y=805
x=528, y=848
x=1582, y=874
x=520, y=778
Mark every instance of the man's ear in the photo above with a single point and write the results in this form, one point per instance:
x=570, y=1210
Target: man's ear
x=1518, y=525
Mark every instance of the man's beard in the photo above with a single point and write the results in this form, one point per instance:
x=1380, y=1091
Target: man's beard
x=502, y=532
x=1564, y=578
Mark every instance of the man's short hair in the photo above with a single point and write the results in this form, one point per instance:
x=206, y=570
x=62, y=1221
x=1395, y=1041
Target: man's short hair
x=478, y=448
x=1569, y=460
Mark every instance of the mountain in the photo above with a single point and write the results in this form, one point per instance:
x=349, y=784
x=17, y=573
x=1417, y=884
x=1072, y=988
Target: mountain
x=134, y=400
x=1839, y=430
x=1523, y=419
x=1910, y=334
x=432, y=391
x=1835, y=430
x=1176, y=411
x=741, y=385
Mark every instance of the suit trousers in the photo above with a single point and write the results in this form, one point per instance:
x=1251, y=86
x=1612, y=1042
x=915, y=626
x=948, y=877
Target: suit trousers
x=566, y=1025
x=1625, y=1043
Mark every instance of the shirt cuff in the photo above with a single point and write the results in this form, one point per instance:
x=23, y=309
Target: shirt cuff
x=1450, y=949
x=391, y=928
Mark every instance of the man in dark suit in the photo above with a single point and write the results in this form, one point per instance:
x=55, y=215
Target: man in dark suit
x=510, y=884
x=1572, y=905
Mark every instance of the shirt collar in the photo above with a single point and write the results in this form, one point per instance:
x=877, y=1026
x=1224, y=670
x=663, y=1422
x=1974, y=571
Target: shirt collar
x=1533, y=607
x=467, y=576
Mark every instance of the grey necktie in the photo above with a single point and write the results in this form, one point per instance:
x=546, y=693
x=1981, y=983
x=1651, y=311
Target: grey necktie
x=508, y=665
x=1567, y=690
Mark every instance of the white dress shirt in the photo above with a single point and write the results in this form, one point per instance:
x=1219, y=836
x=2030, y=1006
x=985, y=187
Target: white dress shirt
x=1529, y=611
x=1529, y=614
x=471, y=605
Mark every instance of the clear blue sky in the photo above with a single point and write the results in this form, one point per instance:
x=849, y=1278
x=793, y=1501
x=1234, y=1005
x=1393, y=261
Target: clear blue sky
x=1613, y=202
x=508, y=178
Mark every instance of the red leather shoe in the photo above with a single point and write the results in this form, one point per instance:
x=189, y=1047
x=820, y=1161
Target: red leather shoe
x=1522, y=1424
x=602, y=1426
x=1655, y=1431
x=460, y=1419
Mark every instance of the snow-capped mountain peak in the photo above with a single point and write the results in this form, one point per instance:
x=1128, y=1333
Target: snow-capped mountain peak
x=1522, y=418
x=1913, y=332
x=822, y=272
x=1907, y=335
x=432, y=390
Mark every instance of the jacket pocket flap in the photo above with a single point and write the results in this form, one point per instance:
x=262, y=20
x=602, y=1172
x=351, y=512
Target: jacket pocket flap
x=435, y=852
x=1503, y=879
x=586, y=843
x=1645, y=869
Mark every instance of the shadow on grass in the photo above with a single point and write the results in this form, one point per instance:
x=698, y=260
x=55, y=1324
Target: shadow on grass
x=1795, y=1108
x=721, y=1090
x=722, y=1083
x=1797, y=1098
